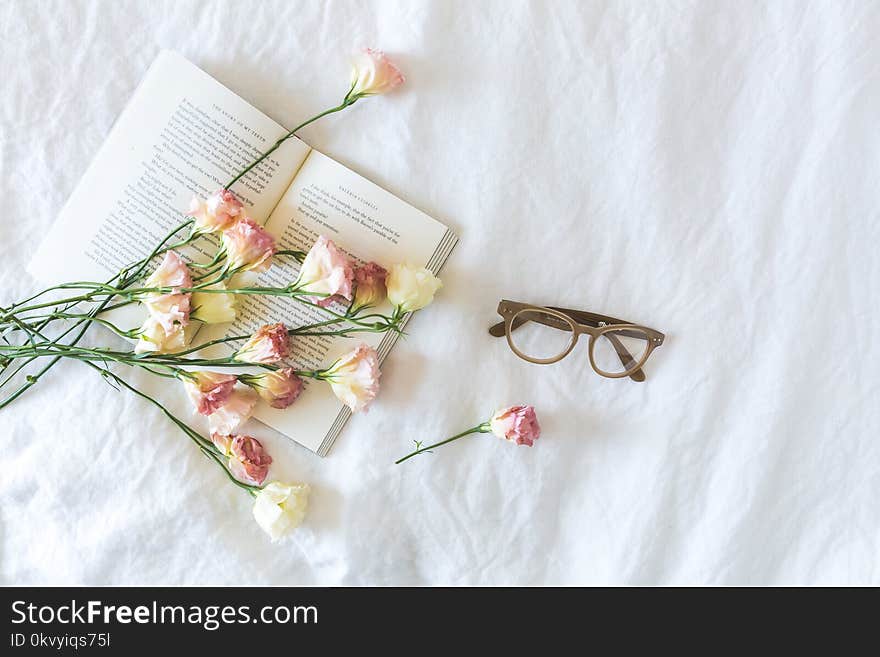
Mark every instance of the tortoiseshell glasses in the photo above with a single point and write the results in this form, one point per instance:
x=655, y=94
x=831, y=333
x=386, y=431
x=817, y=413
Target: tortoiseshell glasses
x=545, y=334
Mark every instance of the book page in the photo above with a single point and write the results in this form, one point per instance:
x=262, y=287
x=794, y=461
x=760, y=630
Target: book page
x=182, y=134
x=368, y=223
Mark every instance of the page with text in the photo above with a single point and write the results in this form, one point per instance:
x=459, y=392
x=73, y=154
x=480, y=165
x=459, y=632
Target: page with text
x=182, y=134
x=368, y=223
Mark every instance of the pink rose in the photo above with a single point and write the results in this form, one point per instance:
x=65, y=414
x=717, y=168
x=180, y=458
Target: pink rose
x=208, y=391
x=217, y=212
x=354, y=378
x=518, y=424
x=369, y=286
x=235, y=412
x=248, y=246
x=373, y=73
x=326, y=302
x=170, y=310
x=326, y=271
x=248, y=460
x=270, y=344
x=279, y=388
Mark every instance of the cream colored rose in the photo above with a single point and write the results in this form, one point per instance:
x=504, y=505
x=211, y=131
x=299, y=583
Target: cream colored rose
x=411, y=288
x=280, y=508
x=213, y=307
x=153, y=338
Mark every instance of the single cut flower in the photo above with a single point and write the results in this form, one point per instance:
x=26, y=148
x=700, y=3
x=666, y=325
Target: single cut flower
x=279, y=388
x=217, y=212
x=213, y=307
x=326, y=271
x=170, y=309
x=208, y=391
x=248, y=460
x=370, y=288
x=373, y=73
x=411, y=288
x=270, y=344
x=248, y=246
x=280, y=508
x=235, y=412
x=153, y=338
x=354, y=378
x=517, y=424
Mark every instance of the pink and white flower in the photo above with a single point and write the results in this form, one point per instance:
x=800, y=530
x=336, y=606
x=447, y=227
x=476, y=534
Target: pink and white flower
x=373, y=73
x=248, y=246
x=270, y=344
x=208, y=391
x=248, y=460
x=169, y=309
x=370, y=288
x=517, y=424
x=235, y=412
x=279, y=388
x=217, y=212
x=354, y=378
x=326, y=270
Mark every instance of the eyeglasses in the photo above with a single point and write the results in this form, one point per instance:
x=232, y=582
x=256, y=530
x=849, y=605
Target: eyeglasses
x=546, y=335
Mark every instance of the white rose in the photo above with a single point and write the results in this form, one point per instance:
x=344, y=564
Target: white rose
x=280, y=508
x=152, y=338
x=213, y=307
x=411, y=288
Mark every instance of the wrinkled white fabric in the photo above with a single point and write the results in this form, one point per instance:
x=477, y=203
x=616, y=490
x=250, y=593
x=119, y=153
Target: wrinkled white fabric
x=706, y=168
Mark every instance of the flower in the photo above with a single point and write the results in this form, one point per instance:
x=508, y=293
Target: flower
x=411, y=288
x=326, y=270
x=369, y=286
x=248, y=460
x=281, y=507
x=208, y=391
x=279, y=388
x=217, y=212
x=354, y=378
x=373, y=73
x=248, y=246
x=171, y=310
x=326, y=302
x=518, y=424
x=268, y=345
x=153, y=338
x=235, y=412
x=213, y=307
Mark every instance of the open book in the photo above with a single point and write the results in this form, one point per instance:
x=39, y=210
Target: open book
x=184, y=134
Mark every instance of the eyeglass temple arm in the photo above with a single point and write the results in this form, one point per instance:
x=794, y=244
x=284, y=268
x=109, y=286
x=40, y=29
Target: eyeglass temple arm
x=626, y=359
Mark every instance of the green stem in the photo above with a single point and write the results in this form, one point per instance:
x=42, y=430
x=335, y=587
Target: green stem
x=202, y=443
x=32, y=380
x=345, y=103
x=480, y=428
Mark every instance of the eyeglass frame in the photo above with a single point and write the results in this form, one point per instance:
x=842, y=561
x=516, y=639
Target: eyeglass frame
x=578, y=322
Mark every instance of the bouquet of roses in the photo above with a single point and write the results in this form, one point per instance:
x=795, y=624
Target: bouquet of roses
x=176, y=293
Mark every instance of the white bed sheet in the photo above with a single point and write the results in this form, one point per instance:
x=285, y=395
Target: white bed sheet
x=710, y=169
